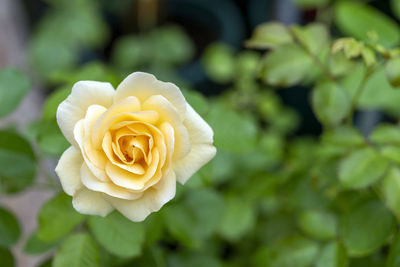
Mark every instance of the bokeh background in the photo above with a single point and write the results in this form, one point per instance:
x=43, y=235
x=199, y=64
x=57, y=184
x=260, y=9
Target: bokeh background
x=256, y=203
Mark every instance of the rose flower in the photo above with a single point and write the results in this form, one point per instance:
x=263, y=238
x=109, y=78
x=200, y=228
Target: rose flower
x=129, y=145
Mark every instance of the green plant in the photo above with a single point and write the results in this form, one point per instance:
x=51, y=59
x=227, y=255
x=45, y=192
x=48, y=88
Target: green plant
x=270, y=197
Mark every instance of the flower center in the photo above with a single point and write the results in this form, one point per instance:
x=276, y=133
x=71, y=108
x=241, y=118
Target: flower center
x=133, y=148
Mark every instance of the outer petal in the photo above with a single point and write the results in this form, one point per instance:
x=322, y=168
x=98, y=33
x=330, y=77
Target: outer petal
x=152, y=200
x=199, y=130
x=197, y=158
x=68, y=170
x=143, y=85
x=89, y=202
x=202, y=150
x=84, y=94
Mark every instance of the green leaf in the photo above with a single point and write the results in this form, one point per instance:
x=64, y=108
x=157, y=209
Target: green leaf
x=130, y=52
x=286, y=66
x=392, y=68
x=79, y=250
x=366, y=228
x=53, y=101
x=391, y=153
x=219, y=62
x=193, y=260
x=368, y=56
x=238, y=218
x=117, y=234
x=9, y=228
x=243, y=139
x=386, y=134
x=46, y=263
x=314, y=37
x=17, y=162
x=49, y=55
x=154, y=229
x=36, y=246
x=351, y=47
x=340, y=65
x=391, y=190
x=50, y=138
x=13, y=87
x=285, y=253
x=358, y=20
x=247, y=66
x=346, y=136
x=318, y=224
x=395, y=5
x=331, y=103
x=393, y=259
x=332, y=255
x=196, y=218
x=361, y=168
x=269, y=35
x=57, y=218
x=170, y=44
x=386, y=97
x=6, y=258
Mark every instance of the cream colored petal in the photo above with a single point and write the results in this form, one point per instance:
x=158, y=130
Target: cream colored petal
x=94, y=154
x=202, y=150
x=199, y=155
x=92, y=183
x=169, y=114
x=103, y=125
x=134, y=168
x=79, y=134
x=199, y=130
x=129, y=180
x=143, y=85
x=73, y=109
x=152, y=200
x=89, y=202
x=169, y=135
x=125, y=106
x=68, y=170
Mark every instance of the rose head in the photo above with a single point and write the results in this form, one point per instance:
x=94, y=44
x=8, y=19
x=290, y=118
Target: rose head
x=129, y=145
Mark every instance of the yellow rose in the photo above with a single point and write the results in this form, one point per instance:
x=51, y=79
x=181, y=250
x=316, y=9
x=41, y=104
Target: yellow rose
x=129, y=145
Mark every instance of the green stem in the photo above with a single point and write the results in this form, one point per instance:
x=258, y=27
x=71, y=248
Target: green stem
x=357, y=95
x=316, y=60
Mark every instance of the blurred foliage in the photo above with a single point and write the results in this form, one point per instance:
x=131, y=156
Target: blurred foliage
x=270, y=197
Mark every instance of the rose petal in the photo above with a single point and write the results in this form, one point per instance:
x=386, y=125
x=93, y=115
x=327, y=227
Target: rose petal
x=68, y=170
x=169, y=114
x=199, y=130
x=91, y=182
x=197, y=158
x=89, y=202
x=143, y=85
x=130, y=180
x=84, y=94
x=202, y=150
x=152, y=200
x=169, y=135
x=79, y=133
x=128, y=107
x=134, y=168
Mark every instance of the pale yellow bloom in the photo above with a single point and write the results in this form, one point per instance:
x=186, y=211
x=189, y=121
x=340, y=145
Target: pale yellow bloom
x=129, y=145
